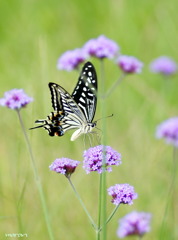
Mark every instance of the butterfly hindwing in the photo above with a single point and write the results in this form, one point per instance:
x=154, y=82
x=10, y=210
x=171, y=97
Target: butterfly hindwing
x=85, y=91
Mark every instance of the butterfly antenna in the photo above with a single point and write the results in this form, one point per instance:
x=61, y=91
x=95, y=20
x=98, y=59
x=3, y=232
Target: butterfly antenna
x=105, y=117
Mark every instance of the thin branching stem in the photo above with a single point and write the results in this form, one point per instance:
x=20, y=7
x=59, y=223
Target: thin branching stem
x=111, y=216
x=171, y=193
x=37, y=178
x=28, y=146
x=82, y=204
x=114, y=86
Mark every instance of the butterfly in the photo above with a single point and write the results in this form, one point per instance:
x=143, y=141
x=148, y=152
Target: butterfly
x=75, y=111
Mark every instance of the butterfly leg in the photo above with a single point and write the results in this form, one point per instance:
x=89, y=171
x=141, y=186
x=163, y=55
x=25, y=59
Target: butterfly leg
x=90, y=140
x=84, y=141
x=97, y=138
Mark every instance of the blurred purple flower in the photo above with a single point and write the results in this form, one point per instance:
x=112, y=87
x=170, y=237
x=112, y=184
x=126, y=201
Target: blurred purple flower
x=134, y=223
x=169, y=131
x=93, y=158
x=64, y=166
x=122, y=193
x=71, y=59
x=164, y=65
x=101, y=47
x=15, y=99
x=129, y=64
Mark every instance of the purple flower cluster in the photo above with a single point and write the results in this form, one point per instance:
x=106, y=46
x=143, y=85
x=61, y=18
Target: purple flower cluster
x=15, y=99
x=134, y=223
x=122, y=193
x=93, y=158
x=169, y=131
x=64, y=166
x=71, y=59
x=101, y=47
x=129, y=64
x=163, y=65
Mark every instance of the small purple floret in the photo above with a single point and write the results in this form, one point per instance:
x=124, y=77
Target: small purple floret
x=134, y=223
x=122, y=193
x=163, y=65
x=168, y=130
x=71, y=59
x=64, y=166
x=129, y=64
x=101, y=47
x=93, y=158
x=15, y=99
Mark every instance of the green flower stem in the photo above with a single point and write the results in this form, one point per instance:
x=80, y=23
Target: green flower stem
x=173, y=186
x=111, y=215
x=114, y=86
x=37, y=179
x=83, y=205
x=101, y=93
x=28, y=145
x=104, y=205
x=102, y=197
x=171, y=196
x=99, y=206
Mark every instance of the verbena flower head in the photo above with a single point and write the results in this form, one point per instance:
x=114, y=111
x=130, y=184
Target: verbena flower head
x=93, y=159
x=71, y=59
x=101, y=47
x=122, y=193
x=168, y=130
x=163, y=65
x=15, y=99
x=64, y=166
x=129, y=64
x=134, y=223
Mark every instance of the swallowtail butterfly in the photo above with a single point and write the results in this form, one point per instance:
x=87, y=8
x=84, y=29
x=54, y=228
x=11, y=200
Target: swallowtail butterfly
x=74, y=111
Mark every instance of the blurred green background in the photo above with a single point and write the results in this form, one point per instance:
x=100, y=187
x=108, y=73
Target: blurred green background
x=33, y=34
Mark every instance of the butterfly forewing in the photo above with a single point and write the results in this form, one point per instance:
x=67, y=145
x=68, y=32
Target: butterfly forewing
x=85, y=91
x=73, y=117
x=55, y=97
x=62, y=100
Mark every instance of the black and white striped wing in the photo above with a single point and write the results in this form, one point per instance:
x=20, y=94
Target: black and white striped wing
x=62, y=102
x=85, y=92
x=74, y=111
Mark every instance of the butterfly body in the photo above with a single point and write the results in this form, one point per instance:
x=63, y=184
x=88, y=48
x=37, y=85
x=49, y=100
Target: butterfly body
x=74, y=111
